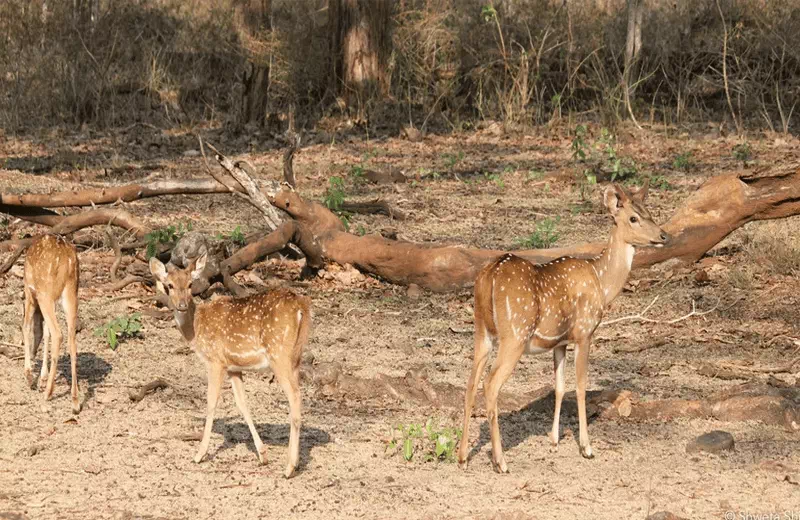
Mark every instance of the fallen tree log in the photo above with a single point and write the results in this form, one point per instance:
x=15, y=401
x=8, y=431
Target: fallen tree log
x=718, y=207
x=721, y=205
x=125, y=193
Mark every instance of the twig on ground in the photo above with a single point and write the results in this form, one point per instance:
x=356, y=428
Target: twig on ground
x=117, y=254
x=138, y=395
x=641, y=348
x=119, y=284
x=641, y=315
x=11, y=260
x=782, y=369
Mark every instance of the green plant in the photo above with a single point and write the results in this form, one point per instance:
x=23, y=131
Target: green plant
x=534, y=175
x=742, y=152
x=334, y=195
x=431, y=442
x=660, y=182
x=488, y=13
x=579, y=145
x=120, y=328
x=165, y=235
x=496, y=178
x=361, y=230
x=451, y=160
x=543, y=237
x=236, y=236
x=345, y=217
x=683, y=161
x=357, y=173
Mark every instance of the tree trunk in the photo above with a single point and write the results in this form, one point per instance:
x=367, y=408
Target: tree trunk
x=254, y=18
x=633, y=47
x=360, y=46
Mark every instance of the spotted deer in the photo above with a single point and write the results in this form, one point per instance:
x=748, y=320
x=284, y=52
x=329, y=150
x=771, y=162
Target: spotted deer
x=521, y=306
x=238, y=335
x=51, y=275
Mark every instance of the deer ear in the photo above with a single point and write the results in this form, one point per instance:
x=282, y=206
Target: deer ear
x=614, y=197
x=640, y=195
x=198, y=265
x=158, y=270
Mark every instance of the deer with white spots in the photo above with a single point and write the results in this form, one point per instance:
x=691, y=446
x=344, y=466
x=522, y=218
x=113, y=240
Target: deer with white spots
x=237, y=335
x=521, y=306
x=51, y=275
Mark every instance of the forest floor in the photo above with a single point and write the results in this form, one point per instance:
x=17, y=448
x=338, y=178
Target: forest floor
x=123, y=459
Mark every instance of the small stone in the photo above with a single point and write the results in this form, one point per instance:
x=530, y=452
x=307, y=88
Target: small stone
x=412, y=134
x=713, y=442
x=414, y=291
x=624, y=408
x=191, y=153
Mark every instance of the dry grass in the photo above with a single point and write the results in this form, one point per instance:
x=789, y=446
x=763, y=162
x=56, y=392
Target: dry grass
x=526, y=62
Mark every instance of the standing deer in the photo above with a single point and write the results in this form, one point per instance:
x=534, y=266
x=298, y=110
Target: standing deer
x=522, y=306
x=237, y=335
x=51, y=274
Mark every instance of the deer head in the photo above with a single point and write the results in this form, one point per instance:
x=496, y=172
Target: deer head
x=633, y=221
x=177, y=282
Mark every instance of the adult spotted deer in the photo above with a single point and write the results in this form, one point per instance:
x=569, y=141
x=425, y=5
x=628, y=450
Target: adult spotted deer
x=522, y=306
x=51, y=274
x=237, y=335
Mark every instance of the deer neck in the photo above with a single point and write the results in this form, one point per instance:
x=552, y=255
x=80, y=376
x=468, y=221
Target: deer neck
x=614, y=265
x=185, y=321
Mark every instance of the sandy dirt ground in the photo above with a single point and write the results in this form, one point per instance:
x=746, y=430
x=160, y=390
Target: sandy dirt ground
x=123, y=459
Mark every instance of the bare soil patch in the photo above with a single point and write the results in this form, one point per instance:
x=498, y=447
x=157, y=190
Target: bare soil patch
x=124, y=458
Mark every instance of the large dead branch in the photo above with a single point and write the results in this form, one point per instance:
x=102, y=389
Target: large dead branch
x=252, y=189
x=718, y=207
x=721, y=205
x=125, y=193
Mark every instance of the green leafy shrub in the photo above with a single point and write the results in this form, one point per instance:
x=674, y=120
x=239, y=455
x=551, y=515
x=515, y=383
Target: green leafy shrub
x=120, y=328
x=543, y=237
x=165, y=235
x=429, y=441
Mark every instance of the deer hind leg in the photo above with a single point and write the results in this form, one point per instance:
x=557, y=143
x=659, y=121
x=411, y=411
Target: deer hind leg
x=483, y=345
x=69, y=302
x=241, y=403
x=215, y=375
x=48, y=308
x=581, y=369
x=28, y=333
x=559, y=354
x=44, y=337
x=508, y=355
x=289, y=379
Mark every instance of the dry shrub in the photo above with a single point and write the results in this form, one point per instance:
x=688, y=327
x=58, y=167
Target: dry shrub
x=524, y=62
x=774, y=247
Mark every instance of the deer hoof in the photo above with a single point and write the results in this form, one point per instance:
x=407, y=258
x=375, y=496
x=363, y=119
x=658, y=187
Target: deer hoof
x=500, y=467
x=587, y=452
x=262, y=455
x=289, y=473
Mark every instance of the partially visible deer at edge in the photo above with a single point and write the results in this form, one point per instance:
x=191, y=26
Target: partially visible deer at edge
x=51, y=274
x=521, y=306
x=237, y=335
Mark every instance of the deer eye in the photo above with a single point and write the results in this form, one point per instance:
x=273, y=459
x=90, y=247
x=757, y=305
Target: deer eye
x=634, y=219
